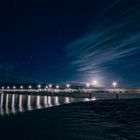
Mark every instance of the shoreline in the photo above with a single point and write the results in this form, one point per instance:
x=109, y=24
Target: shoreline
x=97, y=95
x=97, y=120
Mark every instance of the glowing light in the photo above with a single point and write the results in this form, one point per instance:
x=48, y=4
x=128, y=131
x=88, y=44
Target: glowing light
x=57, y=87
x=56, y=100
x=68, y=85
x=2, y=87
x=8, y=87
x=30, y=87
x=1, y=102
x=29, y=103
x=87, y=85
x=94, y=82
x=49, y=101
x=38, y=102
x=39, y=86
x=45, y=100
x=20, y=100
x=50, y=86
x=114, y=84
x=86, y=99
x=14, y=87
x=67, y=100
x=93, y=99
x=46, y=87
x=21, y=87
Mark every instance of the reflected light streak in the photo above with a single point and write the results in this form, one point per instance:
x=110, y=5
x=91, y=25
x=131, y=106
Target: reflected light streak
x=1, y=100
x=1, y=107
x=49, y=101
x=2, y=112
x=38, y=102
x=20, y=104
x=67, y=100
x=93, y=99
x=45, y=100
x=7, y=100
x=86, y=99
x=13, y=104
x=29, y=103
x=56, y=100
x=13, y=100
x=7, y=104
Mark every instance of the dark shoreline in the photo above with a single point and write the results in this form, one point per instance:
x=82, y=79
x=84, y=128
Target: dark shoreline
x=76, y=121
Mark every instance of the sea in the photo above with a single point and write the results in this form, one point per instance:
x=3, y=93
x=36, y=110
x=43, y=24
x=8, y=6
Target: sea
x=68, y=118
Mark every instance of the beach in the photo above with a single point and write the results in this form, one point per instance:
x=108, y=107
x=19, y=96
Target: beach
x=94, y=120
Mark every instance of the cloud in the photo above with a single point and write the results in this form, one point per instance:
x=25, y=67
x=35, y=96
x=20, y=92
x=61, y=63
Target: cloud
x=114, y=37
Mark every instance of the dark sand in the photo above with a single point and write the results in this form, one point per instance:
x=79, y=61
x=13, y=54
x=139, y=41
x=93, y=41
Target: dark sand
x=96, y=120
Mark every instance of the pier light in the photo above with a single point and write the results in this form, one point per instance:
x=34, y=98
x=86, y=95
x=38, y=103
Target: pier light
x=68, y=85
x=87, y=85
x=50, y=86
x=46, y=87
x=39, y=86
x=21, y=87
x=57, y=87
x=8, y=87
x=14, y=87
x=2, y=87
x=114, y=84
x=94, y=82
x=30, y=87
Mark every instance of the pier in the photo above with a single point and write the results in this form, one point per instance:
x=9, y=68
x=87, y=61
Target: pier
x=69, y=90
x=77, y=93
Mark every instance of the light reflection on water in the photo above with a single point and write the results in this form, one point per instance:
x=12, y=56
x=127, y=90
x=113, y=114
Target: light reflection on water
x=14, y=103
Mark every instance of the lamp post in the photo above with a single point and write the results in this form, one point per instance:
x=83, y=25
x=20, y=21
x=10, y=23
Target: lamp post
x=114, y=84
x=57, y=86
x=39, y=86
x=30, y=87
x=87, y=85
x=68, y=85
x=94, y=82
x=46, y=87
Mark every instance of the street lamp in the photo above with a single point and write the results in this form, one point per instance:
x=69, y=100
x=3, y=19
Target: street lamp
x=94, y=82
x=68, y=85
x=2, y=87
x=46, y=87
x=114, y=84
x=87, y=85
x=21, y=87
x=57, y=87
x=8, y=87
x=30, y=87
x=39, y=86
x=50, y=86
x=14, y=87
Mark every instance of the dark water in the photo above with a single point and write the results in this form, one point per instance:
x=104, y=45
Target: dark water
x=94, y=120
x=103, y=120
x=14, y=103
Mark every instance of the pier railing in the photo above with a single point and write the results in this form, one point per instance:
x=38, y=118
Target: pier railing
x=73, y=90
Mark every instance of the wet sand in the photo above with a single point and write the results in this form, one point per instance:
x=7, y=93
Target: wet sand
x=95, y=120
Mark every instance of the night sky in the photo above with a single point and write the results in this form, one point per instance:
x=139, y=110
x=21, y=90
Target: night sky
x=55, y=41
